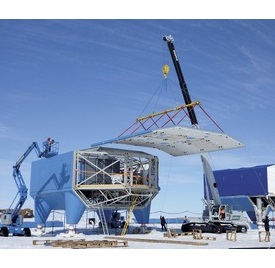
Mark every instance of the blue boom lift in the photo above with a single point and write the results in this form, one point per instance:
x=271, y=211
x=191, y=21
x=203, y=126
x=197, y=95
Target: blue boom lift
x=11, y=219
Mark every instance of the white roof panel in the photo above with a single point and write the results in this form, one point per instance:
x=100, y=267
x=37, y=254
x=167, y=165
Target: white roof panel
x=180, y=140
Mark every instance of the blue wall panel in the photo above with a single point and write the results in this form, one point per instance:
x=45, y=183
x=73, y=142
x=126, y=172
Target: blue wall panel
x=52, y=174
x=237, y=185
x=142, y=216
x=242, y=203
x=243, y=181
x=51, y=188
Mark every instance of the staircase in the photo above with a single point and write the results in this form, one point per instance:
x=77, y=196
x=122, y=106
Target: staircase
x=102, y=218
x=129, y=216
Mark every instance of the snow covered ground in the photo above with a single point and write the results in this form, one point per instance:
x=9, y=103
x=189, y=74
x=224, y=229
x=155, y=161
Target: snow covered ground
x=154, y=239
x=155, y=246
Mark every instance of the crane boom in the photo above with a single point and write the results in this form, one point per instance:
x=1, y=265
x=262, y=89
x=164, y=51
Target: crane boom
x=209, y=176
x=169, y=39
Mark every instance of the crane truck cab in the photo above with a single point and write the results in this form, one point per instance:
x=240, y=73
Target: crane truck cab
x=221, y=212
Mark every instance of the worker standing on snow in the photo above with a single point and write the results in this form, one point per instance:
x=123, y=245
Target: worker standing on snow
x=266, y=223
x=163, y=223
x=185, y=219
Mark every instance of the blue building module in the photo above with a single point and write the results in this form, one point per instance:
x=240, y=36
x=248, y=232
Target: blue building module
x=94, y=178
x=240, y=188
x=251, y=181
x=51, y=188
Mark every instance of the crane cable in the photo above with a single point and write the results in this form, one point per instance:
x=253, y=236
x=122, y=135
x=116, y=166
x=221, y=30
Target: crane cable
x=163, y=84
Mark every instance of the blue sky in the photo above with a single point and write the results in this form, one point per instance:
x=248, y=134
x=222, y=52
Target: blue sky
x=85, y=81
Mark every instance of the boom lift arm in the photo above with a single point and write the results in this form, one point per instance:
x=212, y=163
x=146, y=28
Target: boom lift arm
x=21, y=186
x=11, y=220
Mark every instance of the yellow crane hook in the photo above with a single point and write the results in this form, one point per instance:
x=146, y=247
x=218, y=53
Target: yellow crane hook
x=165, y=70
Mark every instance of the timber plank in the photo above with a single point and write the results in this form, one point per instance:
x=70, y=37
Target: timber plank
x=81, y=243
x=159, y=241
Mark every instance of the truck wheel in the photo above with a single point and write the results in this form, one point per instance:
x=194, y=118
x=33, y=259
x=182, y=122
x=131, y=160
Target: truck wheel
x=4, y=231
x=243, y=229
x=27, y=232
x=184, y=228
x=214, y=230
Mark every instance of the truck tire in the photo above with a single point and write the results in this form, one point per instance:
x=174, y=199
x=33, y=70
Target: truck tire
x=185, y=228
x=4, y=231
x=27, y=232
x=214, y=230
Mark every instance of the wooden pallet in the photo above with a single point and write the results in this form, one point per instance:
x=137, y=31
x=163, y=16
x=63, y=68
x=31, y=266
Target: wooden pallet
x=81, y=243
x=266, y=238
x=197, y=234
x=48, y=242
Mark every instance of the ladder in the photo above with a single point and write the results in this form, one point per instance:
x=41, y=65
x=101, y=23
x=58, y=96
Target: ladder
x=102, y=218
x=129, y=216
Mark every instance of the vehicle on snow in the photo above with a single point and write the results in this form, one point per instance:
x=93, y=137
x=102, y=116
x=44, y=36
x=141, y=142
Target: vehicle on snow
x=210, y=227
